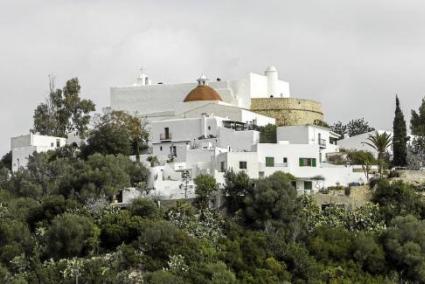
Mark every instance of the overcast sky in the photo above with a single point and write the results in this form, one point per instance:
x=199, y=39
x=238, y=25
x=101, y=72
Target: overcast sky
x=353, y=56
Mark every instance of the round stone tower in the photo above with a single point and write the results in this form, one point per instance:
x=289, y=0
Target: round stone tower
x=289, y=111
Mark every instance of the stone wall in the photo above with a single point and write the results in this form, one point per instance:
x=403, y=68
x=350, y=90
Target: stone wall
x=288, y=111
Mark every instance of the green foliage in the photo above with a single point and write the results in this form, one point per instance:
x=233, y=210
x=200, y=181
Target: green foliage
x=117, y=133
x=108, y=139
x=6, y=161
x=205, y=187
x=417, y=121
x=207, y=226
x=98, y=176
x=71, y=235
x=57, y=224
x=416, y=153
x=380, y=142
x=358, y=126
x=398, y=199
x=405, y=245
x=330, y=244
x=271, y=201
x=118, y=227
x=163, y=277
x=145, y=208
x=64, y=112
x=369, y=253
x=366, y=218
x=268, y=133
x=158, y=240
x=15, y=240
x=363, y=158
x=339, y=128
x=237, y=185
x=400, y=137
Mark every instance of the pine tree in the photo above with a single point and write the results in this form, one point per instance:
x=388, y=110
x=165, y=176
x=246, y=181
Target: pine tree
x=399, y=137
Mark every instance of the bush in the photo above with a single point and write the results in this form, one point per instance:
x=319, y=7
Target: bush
x=71, y=235
x=145, y=208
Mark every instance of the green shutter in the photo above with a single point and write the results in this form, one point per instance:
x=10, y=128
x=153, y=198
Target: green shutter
x=301, y=162
x=269, y=161
x=314, y=162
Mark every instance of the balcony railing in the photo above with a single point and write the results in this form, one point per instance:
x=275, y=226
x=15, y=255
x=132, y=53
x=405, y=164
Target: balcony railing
x=322, y=142
x=165, y=136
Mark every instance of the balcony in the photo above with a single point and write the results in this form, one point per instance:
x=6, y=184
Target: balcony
x=165, y=136
x=322, y=143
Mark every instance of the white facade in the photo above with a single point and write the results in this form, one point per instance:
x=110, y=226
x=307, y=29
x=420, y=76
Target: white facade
x=24, y=146
x=213, y=145
x=357, y=143
x=310, y=134
x=300, y=160
x=173, y=138
x=164, y=100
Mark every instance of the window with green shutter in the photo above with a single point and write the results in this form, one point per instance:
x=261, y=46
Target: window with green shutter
x=308, y=162
x=269, y=161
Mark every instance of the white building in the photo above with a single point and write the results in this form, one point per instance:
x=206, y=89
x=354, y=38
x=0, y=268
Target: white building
x=357, y=143
x=310, y=134
x=162, y=101
x=172, y=138
x=213, y=145
x=25, y=145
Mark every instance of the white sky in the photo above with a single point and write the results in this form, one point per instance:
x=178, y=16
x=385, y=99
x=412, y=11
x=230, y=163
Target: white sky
x=353, y=56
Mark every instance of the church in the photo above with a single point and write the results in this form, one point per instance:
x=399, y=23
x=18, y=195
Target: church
x=254, y=99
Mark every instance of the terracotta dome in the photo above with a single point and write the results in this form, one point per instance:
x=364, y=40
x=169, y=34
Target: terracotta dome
x=203, y=93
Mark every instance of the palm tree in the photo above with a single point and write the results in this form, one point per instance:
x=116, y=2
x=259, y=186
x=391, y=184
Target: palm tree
x=380, y=142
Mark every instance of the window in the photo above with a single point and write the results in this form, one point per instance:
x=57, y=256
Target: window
x=222, y=167
x=243, y=165
x=285, y=161
x=160, y=148
x=308, y=185
x=167, y=133
x=52, y=144
x=307, y=162
x=269, y=161
x=58, y=143
x=209, y=127
x=260, y=174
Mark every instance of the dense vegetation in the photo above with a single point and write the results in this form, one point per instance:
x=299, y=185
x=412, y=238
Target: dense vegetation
x=57, y=224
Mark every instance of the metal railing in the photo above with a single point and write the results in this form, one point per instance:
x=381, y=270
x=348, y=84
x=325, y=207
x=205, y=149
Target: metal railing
x=322, y=142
